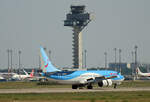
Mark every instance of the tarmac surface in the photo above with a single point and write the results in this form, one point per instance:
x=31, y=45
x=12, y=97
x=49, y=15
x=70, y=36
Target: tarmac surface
x=69, y=90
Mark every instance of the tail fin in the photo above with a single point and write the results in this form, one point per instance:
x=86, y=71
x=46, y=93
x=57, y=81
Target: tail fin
x=138, y=70
x=46, y=64
x=32, y=73
x=25, y=72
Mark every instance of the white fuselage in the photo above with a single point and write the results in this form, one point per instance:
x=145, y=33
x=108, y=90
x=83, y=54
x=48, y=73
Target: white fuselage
x=20, y=77
x=142, y=74
x=82, y=79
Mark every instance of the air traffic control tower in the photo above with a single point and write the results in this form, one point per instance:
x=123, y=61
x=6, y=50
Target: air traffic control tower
x=78, y=18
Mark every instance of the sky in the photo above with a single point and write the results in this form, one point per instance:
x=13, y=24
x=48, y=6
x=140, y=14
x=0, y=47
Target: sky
x=26, y=25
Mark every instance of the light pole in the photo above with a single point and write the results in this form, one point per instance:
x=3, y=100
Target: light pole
x=85, y=52
x=49, y=54
x=132, y=56
x=105, y=53
x=132, y=67
x=39, y=62
x=11, y=60
x=120, y=59
x=115, y=49
x=135, y=47
x=19, y=52
x=8, y=59
x=83, y=60
x=135, y=56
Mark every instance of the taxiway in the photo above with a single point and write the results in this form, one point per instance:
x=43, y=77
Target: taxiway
x=69, y=90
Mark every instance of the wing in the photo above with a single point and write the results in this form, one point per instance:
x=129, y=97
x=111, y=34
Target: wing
x=96, y=79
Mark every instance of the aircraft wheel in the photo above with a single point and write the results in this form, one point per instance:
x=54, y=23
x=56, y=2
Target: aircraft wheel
x=74, y=86
x=89, y=87
x=42, y=80
x=115, y=85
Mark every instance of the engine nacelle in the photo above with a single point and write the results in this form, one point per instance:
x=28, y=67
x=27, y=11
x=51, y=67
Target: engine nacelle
x=107, y=82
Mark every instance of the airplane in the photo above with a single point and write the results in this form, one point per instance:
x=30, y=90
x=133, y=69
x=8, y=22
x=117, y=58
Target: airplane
x=2, y=79
x=79, y=78
x=7, y=75
x=139, y=73
x=22, y=76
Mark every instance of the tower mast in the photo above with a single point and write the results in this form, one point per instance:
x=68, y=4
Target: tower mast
x=77, y=19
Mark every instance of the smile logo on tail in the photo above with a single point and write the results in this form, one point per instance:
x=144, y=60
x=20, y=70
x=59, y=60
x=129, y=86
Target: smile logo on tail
x=46, y=65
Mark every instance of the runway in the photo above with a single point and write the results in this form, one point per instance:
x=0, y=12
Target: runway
x=69, y=90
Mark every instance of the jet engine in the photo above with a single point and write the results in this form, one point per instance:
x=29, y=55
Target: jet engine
x=107, y=82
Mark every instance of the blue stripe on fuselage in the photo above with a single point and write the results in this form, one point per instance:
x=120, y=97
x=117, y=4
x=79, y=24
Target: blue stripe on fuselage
x=78, y=73
x=119, y=77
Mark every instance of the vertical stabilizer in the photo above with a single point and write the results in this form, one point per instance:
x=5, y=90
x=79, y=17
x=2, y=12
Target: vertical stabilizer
x=46, y=64
x=25, y=72
x=42, y=64
x=32, y=73
x=138, y=71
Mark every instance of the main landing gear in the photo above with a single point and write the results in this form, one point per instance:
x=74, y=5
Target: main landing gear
x=81, y=86
x=115, y=85
x=89, y=87
x=74, y=86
